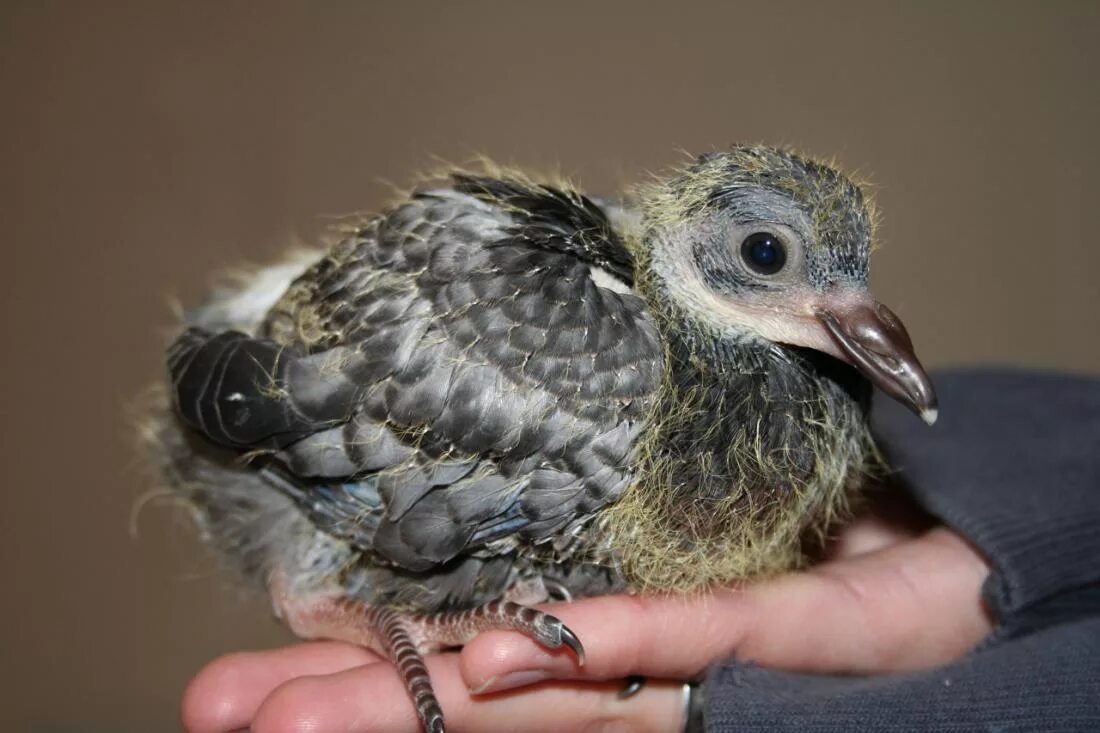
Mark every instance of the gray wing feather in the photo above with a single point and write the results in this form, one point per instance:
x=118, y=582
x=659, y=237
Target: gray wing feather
x=462, y=384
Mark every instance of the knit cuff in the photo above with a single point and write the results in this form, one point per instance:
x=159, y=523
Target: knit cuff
x=1049, y=681
x=1014, y=466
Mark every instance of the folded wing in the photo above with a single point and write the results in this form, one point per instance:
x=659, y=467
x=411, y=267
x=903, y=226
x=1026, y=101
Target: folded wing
x=451, y=378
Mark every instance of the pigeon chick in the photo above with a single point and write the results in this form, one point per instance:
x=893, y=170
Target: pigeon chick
x=501, y=391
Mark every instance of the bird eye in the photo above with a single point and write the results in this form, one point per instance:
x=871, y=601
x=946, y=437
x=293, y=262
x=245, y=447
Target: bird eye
x=764, y=253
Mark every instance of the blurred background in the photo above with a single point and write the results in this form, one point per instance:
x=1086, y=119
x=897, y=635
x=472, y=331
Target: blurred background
x=144, y=147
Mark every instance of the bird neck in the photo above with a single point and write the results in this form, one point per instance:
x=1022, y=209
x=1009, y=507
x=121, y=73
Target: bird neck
x=749, y=444
x=750, y=416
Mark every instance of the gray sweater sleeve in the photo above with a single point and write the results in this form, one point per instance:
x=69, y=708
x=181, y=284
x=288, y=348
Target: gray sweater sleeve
x=1014, y=466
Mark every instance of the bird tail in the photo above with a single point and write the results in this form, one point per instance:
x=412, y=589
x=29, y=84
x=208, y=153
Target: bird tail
x=248, y=525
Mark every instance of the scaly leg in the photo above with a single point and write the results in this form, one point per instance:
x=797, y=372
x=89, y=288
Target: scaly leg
x=404, y=637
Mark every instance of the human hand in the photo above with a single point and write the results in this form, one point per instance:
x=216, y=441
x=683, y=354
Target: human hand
x=891, y=597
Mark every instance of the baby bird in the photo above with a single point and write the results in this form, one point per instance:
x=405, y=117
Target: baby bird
x=501, y=391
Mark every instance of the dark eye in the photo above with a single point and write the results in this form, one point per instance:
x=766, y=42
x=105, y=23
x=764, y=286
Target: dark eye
x=763, y=253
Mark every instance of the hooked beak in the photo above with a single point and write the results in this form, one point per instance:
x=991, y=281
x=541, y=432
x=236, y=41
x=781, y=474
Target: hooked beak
x=873, y=339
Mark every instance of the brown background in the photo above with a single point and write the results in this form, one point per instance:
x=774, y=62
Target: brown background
x=143, y=148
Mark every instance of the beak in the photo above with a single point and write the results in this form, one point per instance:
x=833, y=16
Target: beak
x=873, y=339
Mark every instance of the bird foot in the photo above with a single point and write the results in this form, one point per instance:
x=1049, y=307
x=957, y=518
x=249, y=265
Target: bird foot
x=404, y=638
x=460, y=627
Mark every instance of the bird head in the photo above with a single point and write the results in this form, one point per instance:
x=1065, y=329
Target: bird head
x=758, y=244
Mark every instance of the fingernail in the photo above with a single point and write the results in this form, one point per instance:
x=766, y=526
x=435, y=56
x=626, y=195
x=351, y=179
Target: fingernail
x=511, y=680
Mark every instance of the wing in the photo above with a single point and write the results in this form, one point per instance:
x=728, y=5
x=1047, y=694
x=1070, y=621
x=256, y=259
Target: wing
x=450, y=378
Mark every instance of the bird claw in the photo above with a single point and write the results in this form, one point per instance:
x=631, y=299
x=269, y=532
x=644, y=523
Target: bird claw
x=569, y=639
x=632, y=686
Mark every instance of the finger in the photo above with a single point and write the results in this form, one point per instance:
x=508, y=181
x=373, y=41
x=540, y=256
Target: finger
x=372, y=699
x=909, y=606
x=889, y=517
x=867, y=534
x=669, y=637
x=226, y=693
